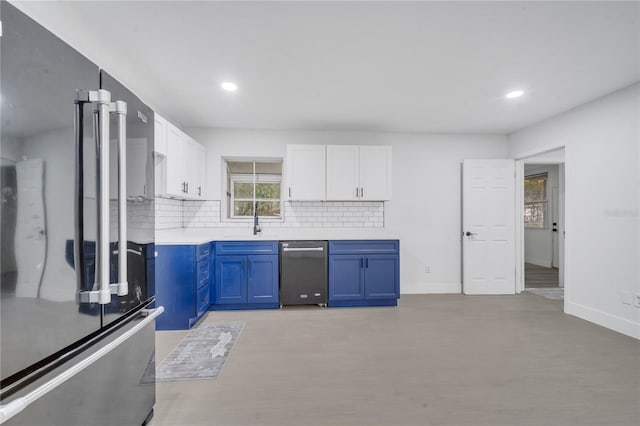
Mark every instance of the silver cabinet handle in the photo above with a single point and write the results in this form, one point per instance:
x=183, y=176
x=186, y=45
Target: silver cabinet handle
x=361, y=192
x=357, y=196
x=289, y=192
x=122, y=287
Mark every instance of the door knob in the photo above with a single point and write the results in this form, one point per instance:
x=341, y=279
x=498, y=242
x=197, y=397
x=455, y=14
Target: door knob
x=468, y=234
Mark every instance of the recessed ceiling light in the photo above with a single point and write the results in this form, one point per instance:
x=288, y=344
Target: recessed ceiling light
x=514, y=94
x=229, y=86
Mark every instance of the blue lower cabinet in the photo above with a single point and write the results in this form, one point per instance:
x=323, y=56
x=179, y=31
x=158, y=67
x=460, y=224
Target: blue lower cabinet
x=382, y=276
x=262, y=279
x=346, y=277
x=246, y=275
x=364, y=273
x=182, y=286
x=231, y=280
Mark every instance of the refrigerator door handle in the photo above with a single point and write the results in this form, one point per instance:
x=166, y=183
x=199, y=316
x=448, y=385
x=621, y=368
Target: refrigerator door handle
x=121, y=288
x=78, y=241
x=9, y=410
x=101, y=100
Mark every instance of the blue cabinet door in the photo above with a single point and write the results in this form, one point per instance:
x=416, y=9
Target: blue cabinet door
x=381, y=276
x=346, y=278
x=231, y=280
x=175, y=286
x=262, y=279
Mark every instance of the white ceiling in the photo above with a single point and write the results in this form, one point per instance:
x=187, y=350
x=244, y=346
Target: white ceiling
x=387, y=66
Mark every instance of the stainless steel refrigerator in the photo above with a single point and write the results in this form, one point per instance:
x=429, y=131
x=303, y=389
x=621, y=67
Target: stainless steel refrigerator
x=77, y=237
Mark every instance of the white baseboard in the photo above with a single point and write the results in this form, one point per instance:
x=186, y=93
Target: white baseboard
x=545, y=263
x=613, y=322
x=430, y=288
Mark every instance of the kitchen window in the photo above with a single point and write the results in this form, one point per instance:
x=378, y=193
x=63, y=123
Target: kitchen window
x=535, y=201
x=252, y=184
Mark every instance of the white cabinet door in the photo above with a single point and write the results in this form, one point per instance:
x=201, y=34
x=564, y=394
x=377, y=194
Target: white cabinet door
x=343, y=172
x=306, y=172
x=160, y=135
x=197, y=166
x=176, y=162
x=375, y=173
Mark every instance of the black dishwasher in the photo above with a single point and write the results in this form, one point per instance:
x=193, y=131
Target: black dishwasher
x=303, y=273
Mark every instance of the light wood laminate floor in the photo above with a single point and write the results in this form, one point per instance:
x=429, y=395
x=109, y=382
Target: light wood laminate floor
x=433, y=360
x=539, y=277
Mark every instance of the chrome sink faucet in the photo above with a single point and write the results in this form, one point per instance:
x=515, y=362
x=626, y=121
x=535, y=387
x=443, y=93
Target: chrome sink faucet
x=256, y=225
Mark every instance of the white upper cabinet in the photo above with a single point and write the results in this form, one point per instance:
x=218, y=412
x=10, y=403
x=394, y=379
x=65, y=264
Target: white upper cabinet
x=176, y=162
x=343, y=176
x=184, y=166
x=306, y=172
x=358, y=173
x=160, y=135
x=195, y=183
x=160, y=154
x=375, y=173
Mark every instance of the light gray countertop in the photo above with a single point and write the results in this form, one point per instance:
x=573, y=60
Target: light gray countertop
x=205, y=235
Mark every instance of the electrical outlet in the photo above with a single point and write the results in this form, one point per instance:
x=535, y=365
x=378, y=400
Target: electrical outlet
x=626, y=298
x=427, y=269
x=636, y=300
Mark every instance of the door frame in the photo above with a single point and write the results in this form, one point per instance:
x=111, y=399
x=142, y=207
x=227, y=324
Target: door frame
x=548, y=155
x=555, y=214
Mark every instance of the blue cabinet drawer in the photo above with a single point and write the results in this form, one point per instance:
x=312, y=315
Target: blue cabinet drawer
x=202, y=274
x=202, y=252
x=364, y=247
x=246, y=247
x=202, y=302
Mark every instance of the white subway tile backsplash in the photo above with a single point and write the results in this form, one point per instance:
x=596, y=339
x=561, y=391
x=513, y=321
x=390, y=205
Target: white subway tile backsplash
x=171, y=213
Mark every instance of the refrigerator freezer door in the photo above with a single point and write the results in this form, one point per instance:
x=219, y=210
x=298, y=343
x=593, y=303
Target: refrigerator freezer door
x=116, y=390
x=39, y=74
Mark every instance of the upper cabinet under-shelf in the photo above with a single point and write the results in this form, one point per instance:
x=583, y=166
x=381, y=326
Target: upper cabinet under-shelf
x=338, y=172
x=180, y=163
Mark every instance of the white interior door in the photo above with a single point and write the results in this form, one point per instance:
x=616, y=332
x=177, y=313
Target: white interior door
x=488, y=227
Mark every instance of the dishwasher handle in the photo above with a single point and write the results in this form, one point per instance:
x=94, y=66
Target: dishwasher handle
x=302, y=249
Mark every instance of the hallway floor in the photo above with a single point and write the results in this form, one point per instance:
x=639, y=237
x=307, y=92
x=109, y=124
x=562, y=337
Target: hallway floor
x=433, y=360
x=538, y=276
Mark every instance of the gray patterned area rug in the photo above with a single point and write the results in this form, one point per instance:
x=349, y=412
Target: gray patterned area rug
x=201, y=354
x=556, y=293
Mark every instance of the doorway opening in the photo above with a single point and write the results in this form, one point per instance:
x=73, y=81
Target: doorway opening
x=541, y=193
x=541, y=229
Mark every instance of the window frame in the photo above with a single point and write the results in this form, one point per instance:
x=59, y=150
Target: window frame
x=542, y=202
x=253, y=179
